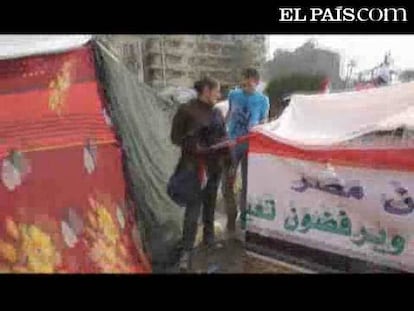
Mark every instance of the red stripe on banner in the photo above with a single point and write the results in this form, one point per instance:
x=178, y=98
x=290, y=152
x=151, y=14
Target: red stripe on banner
x=391, y=159
x=39, y=71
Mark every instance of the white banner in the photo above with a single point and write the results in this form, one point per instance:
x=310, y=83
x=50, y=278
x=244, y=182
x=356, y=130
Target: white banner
x=353, y=211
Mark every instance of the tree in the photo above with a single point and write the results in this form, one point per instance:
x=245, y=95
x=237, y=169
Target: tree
x=280, y=87
x=242, y=56
x=311, y=43
x=351, y=65
x=406, y=75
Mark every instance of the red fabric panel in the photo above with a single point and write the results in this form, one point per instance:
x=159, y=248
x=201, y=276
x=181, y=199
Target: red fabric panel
x=36, y=72
x=62, y=192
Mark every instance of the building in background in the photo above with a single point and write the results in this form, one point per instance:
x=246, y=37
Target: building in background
x=307, y=59
x=178, y=60
x=131, y=49
x=383, y=74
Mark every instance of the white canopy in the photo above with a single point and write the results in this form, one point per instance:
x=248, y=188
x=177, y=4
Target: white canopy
x=15, y=46
x=326, y=119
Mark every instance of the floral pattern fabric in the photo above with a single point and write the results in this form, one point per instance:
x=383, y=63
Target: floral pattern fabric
x=62, y=193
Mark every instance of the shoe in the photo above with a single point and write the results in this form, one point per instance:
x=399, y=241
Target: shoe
x=212, y=246
x=241, y=235
x=243, y=220
x=216, y=246
x=233, y=235
x=230, y=235
x=185, y=262
x=213, y=268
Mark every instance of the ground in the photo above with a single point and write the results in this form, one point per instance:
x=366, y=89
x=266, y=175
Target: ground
x=232, y=258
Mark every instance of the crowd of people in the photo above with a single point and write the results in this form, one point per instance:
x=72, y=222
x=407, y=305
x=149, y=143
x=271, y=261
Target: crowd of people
x=212, y=149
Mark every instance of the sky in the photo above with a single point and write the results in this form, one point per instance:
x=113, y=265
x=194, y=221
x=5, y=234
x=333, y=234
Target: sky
x=367, y=50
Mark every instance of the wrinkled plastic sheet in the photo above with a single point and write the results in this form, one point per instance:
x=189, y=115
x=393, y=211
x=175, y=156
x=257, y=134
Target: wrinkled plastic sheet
x=142, y=120
x=326, y=119
x=178, y=95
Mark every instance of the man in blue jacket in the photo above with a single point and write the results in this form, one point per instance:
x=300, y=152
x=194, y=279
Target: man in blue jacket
x=247, y=108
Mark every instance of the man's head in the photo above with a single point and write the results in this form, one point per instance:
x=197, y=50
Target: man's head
x=208, y=90
x=250, y=80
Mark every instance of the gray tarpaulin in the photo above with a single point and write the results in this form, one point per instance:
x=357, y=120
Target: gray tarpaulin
x=142, y=121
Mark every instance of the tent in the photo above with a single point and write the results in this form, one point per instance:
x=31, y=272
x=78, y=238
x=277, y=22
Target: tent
x=82, y=165
x=330, y=182
x=142, y=120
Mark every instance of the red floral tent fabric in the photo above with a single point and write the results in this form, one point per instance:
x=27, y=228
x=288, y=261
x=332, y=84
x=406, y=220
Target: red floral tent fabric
x=62, y=191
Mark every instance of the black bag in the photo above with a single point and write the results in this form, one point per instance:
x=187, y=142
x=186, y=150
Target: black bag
x=183, y=185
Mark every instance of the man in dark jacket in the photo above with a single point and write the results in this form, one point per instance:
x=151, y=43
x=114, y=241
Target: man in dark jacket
x=197, y=126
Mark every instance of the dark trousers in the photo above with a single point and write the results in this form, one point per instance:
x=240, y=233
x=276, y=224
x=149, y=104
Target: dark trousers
x=205, y=199
x=229, y=180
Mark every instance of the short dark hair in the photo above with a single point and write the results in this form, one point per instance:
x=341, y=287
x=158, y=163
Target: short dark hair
x=205, y=82
x=251, y=73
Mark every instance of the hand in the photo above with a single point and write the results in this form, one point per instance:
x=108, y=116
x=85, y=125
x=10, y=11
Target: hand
x=224, y=144
x=232, y=143
x=201, y=150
